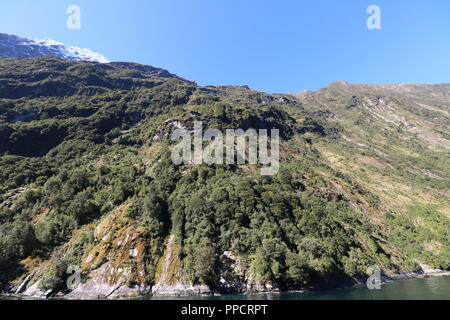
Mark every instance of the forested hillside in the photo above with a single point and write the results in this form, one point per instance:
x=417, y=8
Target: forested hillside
x=86, y=179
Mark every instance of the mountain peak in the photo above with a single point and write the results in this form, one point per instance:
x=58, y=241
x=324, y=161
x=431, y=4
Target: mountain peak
x=16, y=47
x=340, y=82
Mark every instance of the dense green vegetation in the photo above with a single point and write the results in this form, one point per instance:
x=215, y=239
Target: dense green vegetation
x=424, y=233
x=80, y=139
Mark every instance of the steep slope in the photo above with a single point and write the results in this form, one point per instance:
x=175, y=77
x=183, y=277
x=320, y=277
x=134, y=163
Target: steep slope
x=399, y=131
x=87, y=180
x=16, y=47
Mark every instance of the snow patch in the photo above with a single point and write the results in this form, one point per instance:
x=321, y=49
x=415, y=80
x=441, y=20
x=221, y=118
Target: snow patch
x=71, y=52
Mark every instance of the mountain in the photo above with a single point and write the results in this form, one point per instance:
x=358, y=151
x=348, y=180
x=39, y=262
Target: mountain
x=87, y=180
x=16, y=47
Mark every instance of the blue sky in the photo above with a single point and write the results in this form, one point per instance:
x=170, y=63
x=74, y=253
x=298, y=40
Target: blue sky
x=275, y=46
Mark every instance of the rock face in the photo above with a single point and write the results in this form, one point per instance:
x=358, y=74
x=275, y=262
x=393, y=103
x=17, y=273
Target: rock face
x=171, y=280
x=15, y=47
x=115, y=264
x=101, y=285
x=114, y=269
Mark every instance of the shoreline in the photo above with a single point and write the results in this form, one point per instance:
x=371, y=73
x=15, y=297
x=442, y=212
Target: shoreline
x=329, y=285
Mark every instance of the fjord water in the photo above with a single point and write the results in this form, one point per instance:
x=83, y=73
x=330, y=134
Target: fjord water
x=434, y=288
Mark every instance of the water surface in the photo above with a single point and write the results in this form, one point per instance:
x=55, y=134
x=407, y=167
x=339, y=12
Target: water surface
x=434, y=288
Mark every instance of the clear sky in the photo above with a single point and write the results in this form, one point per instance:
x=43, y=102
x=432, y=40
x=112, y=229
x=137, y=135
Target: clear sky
x=275, y=46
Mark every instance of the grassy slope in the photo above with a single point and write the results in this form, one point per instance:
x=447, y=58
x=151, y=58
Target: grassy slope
x=394, y=142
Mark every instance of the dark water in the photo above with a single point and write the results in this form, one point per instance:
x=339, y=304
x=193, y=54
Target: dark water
x=435, y=288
